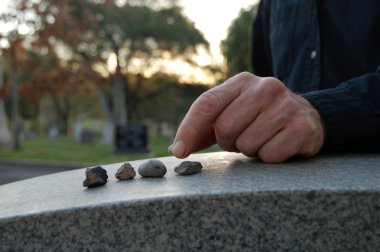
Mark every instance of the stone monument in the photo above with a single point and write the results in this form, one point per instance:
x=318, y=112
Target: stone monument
x=327, y=203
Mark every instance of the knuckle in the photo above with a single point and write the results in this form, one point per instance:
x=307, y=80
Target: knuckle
x=289, y=105
x=244, y=79
x=270, y=156
x=225, y=146
x=289, y=101
x=304, y=126
x=245, y=146
x=272, y=80
x=266, y=156
x=245, y=76
x=224, y=128
x=272, y=86
x=207, y=103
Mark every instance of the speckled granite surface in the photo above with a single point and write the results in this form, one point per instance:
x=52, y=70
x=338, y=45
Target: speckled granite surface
x=234, y=204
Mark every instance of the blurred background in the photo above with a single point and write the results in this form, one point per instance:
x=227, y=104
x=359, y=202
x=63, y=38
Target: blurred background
x=89, y=82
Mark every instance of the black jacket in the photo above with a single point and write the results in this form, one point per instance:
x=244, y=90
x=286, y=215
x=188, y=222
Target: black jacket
x=328, y=51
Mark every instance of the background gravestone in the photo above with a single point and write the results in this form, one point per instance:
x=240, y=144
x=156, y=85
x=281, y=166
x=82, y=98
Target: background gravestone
x=131, y=138
x=87, y=136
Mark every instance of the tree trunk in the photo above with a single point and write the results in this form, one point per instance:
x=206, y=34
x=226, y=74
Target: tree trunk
x=62, y=111
x=5, y=134
x=15, y=117
x=118, y=92
x=120, y=112
x=109, y=125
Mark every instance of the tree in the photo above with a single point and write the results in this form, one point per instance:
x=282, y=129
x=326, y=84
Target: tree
x=61, y=84
x=135, y=34
x=236, y=46
x=166, y=100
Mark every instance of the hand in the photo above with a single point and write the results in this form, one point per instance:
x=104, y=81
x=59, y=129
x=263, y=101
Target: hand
x=253, y=115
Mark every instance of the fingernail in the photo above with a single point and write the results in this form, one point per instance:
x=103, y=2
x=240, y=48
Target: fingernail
x=170, y=149
x=177, y=149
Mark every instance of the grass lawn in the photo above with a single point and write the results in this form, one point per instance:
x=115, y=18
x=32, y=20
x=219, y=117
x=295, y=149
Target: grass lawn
x=64, y=150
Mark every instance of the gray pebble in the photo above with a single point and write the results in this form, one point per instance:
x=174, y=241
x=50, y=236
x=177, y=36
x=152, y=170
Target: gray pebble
x=126, y=171
x=152, y=168
x=188, y=168
x=95, y=176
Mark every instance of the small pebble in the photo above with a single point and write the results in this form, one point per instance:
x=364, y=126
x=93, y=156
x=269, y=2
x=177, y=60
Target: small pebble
x=126, y=171
x=95, y=176
x=152, y=168
x=188, y=168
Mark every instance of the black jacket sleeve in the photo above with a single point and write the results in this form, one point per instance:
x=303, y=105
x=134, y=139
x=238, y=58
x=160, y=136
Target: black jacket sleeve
x=351, y=114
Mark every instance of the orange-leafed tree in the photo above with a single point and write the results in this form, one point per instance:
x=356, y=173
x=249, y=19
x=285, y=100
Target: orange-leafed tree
x=137, y=35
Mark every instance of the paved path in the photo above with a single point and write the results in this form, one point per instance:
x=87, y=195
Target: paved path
x=11, y=171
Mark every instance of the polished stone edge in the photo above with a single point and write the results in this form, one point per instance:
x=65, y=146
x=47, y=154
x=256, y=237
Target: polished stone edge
x=163, y=199
x=261, y=221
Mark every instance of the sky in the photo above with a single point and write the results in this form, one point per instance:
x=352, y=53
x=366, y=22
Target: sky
x=213, y=18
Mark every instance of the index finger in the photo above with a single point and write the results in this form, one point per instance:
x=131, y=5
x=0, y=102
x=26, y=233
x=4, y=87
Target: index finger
x=202, y=115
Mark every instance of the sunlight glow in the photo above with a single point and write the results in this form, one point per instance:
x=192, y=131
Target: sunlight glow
x=4, y=43
x=203, y=58
x=23, y=29
x=188, y=73
x=111, y=62
x=213, y=18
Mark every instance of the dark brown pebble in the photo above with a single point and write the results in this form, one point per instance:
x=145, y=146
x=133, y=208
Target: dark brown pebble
x=95, y=176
